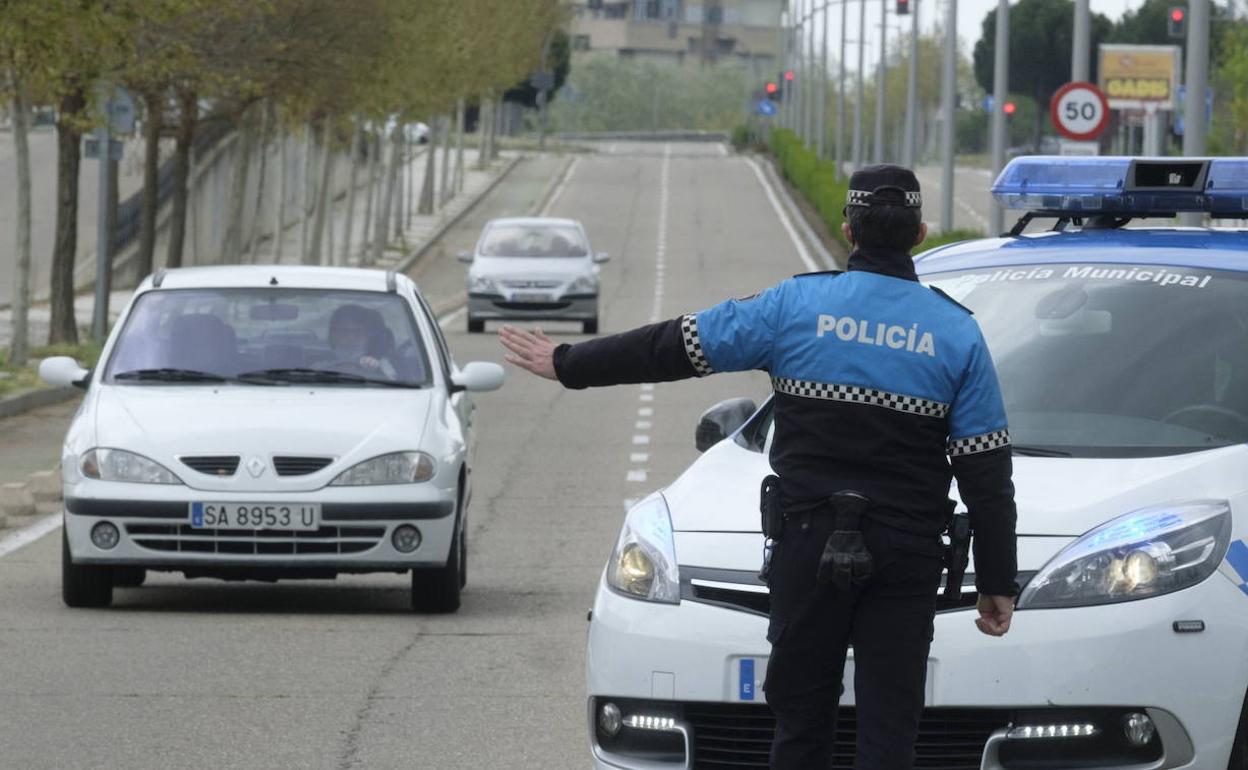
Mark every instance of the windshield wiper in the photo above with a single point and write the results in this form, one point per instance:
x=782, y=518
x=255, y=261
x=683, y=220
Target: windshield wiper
x=170, y=375
x=317, y=376
x=1037, y=451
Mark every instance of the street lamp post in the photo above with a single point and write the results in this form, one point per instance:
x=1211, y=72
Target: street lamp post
x=862, y=48
x=1196, y=80
x=946, y=109
x=823, y=89
x=1000, y=87
x=907, y=149
x=879, y=85
x=840, y=97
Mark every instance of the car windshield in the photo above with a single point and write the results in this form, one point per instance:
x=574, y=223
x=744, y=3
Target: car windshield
x=1114, y=360
x=270, y=337
x=537, y=240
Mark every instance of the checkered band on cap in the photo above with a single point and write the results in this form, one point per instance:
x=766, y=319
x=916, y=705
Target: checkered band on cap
x=693, y=345
x=853, y=394
x=864, y=198
x=982, y=443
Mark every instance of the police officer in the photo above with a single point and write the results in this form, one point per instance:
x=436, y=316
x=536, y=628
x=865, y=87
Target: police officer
x=885, y=392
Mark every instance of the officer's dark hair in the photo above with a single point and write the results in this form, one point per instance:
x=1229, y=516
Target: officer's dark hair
x=884, y=227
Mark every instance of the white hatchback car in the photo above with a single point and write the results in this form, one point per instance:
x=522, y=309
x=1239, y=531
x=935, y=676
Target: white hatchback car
x=1123, y=360
x=270, y=422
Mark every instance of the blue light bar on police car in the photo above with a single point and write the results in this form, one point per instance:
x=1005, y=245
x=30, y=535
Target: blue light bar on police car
x=1121, y=186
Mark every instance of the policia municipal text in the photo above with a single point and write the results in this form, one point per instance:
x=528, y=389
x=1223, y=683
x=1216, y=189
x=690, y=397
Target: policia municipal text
x=884, y=390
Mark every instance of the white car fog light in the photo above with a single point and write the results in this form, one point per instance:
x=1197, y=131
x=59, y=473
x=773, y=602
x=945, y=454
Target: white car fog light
x=105, y=535
x=406, y=538
x=1061, y=730
x=1138, y=729
x=609, y=719
x=650, y=722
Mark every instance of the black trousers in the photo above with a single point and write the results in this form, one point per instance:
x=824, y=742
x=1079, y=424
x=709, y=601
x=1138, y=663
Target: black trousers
x=888, y=622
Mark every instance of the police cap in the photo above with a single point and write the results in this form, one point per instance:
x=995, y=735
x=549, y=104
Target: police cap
x=884, y=185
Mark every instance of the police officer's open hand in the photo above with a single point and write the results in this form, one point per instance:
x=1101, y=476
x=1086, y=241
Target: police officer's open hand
x=995, y=613
x=533, y=350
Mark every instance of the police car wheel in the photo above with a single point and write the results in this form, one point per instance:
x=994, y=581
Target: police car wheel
x=128, y=577
x=475, y=326
x=1239, y=749
x=84, y=585
x=437, y=589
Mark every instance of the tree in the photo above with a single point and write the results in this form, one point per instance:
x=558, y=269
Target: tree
x=1040, y=51
x=1229, y=132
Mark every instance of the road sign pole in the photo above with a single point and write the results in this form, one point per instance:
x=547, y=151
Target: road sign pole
x=947, y=96
x=1000, y=84
x=1081, y=42
x=912, y=92
x=99, y=316
x=1195, y=81
x=878, y=153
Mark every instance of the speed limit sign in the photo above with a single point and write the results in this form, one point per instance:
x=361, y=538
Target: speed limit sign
x=1080, y=111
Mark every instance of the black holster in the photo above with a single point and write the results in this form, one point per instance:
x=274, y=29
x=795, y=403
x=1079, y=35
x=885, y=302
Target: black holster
x=957, y=556
x=846, y=562
x=771, y=508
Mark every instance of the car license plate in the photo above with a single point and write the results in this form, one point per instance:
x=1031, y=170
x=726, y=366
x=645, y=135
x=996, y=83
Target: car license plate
x=748, y=674
x=529, y=296
x=288, y=517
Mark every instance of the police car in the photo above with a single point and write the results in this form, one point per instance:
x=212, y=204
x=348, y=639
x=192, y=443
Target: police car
x=267, y=422
x=1123, y=358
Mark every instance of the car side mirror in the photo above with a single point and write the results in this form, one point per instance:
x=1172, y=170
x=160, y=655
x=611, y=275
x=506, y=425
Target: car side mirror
x=601, y=257
x=63, y=371
x=464, y=257
x=478, y=377
x=721, y=421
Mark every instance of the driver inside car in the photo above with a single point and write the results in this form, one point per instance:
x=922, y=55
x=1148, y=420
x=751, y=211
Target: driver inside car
x=355, y=335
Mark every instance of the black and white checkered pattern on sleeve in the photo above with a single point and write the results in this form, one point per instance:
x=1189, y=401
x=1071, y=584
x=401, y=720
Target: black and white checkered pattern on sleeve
x=854, y=394
x=982, y=443
x=693, y=345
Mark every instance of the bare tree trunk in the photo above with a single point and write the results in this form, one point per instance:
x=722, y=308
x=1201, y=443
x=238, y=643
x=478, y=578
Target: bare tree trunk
x=426, y=187
x=387, y=201
x=501, y=115
x=21, y=275
x=323, y=197
x=400, y=192
x=253, y=232
x=305, y=200
x=356, y=140
x=279, y=206
x=151, y=182
x=68, y=140
x=232, y=246
x=444, y=188
x=374, y=147
x=485, y=119
x=181, y=177
x=460, y=109
x=410, y=181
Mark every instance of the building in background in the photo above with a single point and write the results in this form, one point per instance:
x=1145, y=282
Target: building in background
x=690, y=32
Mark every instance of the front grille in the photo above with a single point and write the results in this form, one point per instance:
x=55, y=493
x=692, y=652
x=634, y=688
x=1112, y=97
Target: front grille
x=213, y=465
x=299, y=466
x=531, y=305
x=739, y=735
x=182, y=538
x=521, y=284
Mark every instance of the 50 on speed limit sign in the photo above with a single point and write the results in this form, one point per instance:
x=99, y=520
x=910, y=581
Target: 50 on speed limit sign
x=1080, y=111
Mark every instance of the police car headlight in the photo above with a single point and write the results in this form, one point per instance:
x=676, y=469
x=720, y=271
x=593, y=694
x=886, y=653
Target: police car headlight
x=120, y=465
x=1144, y=553
x=396, y=468
x=643, y=564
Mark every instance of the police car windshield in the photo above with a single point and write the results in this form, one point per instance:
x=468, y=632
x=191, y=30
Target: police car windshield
x=271, y=337
x=1115, y=360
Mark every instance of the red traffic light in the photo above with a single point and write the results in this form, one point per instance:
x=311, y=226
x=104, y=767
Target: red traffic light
x=772, y=88
x=1176, y=14
x=788, y=74
x=1008, y=108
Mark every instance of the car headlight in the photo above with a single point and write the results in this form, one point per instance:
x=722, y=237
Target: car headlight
x=586, y=284
x=479, y=284
x=1144, y=553
x=396, y=468
x=643, y=564
x=120, y=465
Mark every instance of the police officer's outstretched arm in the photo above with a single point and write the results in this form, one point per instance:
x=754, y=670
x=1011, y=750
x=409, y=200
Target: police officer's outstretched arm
x=732, y=336
x=979, y=450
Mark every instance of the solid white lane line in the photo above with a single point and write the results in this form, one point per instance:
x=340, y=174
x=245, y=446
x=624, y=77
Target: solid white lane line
x=23, y=537
x=784, y=218
x=560, y=187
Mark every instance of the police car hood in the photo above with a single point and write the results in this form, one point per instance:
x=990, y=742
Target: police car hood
x=1056, y=496
x=168, y=422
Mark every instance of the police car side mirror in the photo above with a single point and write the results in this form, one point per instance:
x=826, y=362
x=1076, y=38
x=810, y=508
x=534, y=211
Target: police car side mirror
x=721, y=421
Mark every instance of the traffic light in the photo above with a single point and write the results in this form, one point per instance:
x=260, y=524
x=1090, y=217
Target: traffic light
x=903, y=7
x=773, y=92
x=1176, y=21
x=788, y=75
x=1008, y=108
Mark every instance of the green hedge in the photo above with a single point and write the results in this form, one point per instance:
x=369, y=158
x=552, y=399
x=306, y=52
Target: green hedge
x=814, y=178
x=940, y=239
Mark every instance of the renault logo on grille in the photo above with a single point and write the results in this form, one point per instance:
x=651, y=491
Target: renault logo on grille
x=255, y=466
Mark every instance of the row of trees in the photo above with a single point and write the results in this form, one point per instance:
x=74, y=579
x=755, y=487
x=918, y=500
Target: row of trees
x=255, y=67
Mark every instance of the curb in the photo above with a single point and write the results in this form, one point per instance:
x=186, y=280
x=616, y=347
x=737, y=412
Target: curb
x=34, y=399
x=799, y=217
x=411, y=260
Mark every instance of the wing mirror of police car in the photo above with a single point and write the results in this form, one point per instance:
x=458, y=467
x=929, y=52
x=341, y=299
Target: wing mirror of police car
x=601, y=257
x=721, y=421
x=63, y=371
x=478, y=377
x=465, y=257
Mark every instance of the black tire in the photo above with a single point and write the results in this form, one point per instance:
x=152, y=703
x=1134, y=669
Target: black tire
x=84, y=585
x=438, y=589
x=128, y=577
x=1239, y=749
x=463, y=557
x=590, y=327
x=475, y=326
